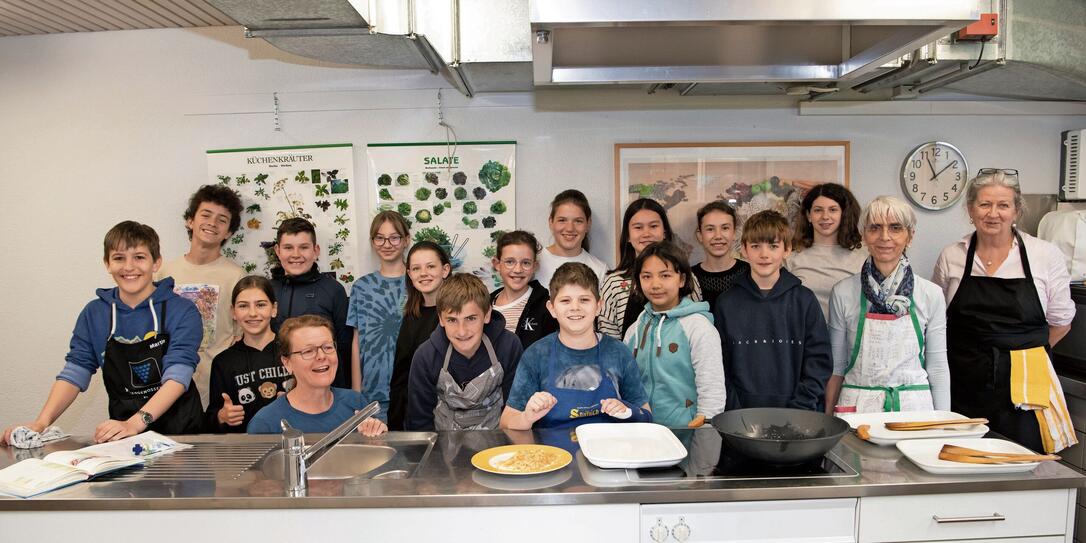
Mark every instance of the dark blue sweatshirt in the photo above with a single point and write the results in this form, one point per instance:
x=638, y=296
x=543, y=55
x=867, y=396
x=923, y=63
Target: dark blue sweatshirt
x=776, y=345
x=316, y=293
x=430, y=356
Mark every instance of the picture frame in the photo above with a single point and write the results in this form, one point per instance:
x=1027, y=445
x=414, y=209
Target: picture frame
x=750, y=175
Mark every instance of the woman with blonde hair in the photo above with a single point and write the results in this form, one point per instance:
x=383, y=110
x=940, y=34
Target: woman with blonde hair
x=1008, y=296
x=887, y=325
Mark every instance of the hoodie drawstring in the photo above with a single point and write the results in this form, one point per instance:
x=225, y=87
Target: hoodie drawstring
x=113, y=317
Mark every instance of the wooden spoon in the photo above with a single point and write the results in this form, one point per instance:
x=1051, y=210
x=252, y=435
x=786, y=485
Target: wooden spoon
x=932, y=424
x=966, y=451
x=1011, y=459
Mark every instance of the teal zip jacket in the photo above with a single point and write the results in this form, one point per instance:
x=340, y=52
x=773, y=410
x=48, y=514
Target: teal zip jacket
x=678, y=352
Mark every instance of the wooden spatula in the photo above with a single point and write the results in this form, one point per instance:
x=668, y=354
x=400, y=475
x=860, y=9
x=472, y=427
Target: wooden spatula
x=966, y=455
x=932, y=424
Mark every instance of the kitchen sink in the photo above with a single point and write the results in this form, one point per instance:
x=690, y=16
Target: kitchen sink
x=341, y=462
x=395, y=455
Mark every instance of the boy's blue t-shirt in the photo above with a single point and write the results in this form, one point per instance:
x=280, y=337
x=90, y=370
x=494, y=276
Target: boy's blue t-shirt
x=344, y=404
x=575, y=368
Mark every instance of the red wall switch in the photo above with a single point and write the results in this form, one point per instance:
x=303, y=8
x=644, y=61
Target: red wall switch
x=984, y=29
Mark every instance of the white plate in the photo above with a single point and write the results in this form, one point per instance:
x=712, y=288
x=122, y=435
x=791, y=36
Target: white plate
x=881, y=436
x=630, y=445
x=925, y=453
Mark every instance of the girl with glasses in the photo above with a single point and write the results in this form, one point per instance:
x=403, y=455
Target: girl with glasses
x=522, y=300
x=308, y=352
x=374, y=310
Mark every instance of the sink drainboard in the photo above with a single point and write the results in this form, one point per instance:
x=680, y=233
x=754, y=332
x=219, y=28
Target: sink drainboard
x=204, y=461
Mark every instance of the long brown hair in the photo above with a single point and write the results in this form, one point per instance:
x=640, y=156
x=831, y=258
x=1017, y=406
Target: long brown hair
x=848, y=231
x=413, y=305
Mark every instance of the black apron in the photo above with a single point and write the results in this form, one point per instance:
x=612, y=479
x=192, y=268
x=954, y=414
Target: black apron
x=132, y=373
x=988, y=318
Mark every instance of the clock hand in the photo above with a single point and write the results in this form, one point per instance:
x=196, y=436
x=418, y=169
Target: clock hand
x=933, y=174
x=955, y=163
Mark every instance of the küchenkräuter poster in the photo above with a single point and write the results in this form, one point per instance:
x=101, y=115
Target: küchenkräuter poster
x=314, y=182
x=461, y=197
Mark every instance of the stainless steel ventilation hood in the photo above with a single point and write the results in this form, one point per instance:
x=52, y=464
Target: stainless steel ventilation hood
x=731, y=41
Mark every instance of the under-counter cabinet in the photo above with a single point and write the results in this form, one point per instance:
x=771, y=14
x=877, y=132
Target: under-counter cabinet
x=1020, y=517
x=822, y=521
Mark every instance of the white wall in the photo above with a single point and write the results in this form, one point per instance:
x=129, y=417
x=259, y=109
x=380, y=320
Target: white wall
x=97, y=128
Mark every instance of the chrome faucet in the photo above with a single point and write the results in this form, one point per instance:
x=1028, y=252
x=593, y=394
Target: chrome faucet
x=297, y=457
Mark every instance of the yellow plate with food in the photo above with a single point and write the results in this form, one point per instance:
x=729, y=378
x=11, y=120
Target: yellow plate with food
x=521, y=459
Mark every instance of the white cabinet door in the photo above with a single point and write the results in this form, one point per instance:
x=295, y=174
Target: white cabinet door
x=948, y=517
x=822, y=521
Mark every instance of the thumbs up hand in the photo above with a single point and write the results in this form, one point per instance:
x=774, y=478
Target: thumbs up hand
x=230, y=414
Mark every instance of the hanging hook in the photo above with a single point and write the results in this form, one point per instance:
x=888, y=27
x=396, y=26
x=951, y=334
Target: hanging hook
x=275, y=100
x=450, y=134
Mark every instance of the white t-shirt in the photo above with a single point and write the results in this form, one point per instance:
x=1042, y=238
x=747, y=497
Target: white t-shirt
x=549, y=262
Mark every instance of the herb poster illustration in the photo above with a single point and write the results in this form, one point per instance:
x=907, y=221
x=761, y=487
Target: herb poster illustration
x=461, y=196
x=315, y=182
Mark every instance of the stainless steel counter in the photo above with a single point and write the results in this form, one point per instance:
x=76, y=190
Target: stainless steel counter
x=217, y=476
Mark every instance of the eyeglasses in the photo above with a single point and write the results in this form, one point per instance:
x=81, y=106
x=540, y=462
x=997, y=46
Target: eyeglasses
x=1010, y=173
x=510, y=264
x=392, y=240
x=311, y=352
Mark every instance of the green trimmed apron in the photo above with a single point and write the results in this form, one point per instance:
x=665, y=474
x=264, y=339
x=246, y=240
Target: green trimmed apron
x=886, y=371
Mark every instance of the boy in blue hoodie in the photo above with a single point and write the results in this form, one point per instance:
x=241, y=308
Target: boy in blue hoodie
x=144, y=338
x=460, y=377
x=774, y=338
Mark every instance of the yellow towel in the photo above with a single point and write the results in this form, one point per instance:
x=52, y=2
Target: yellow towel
x=1035, y=387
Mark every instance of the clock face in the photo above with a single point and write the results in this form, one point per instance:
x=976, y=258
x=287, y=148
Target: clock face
x=934, y=175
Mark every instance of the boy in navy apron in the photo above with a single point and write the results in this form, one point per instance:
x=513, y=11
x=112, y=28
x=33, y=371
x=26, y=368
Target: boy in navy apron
x=144, y=338
x=575, y=376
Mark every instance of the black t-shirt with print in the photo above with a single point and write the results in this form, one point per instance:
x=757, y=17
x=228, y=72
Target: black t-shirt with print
x=252, y=378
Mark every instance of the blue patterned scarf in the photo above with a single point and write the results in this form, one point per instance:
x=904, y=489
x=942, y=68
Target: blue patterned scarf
x=888, y=295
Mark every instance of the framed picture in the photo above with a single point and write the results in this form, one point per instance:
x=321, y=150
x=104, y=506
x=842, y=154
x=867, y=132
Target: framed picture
x=751, y=176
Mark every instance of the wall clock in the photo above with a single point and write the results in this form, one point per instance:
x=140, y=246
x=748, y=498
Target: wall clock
x=934, y=175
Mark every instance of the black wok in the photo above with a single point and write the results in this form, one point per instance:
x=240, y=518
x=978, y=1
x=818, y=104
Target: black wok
x=780, y=436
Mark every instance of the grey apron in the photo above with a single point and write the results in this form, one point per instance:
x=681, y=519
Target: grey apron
x=476, y=406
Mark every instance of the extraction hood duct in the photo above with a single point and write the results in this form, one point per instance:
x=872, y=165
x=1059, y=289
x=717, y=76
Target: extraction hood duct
x=1042, y=47
x=373, y=34
x=731, y=41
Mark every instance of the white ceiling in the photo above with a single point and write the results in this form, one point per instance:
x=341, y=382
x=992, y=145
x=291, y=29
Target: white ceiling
x=24, y=18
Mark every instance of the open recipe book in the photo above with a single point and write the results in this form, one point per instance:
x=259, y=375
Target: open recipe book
x=35, y=476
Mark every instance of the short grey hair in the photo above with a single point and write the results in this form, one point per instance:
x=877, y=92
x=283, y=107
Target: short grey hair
x=888, y=210
x=996, y=179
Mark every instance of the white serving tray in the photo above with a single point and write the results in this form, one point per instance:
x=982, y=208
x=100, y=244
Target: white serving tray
x=630, y=445
x=925, y=453
x=881, y=436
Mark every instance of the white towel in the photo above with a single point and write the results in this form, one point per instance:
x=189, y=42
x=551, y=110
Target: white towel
x=25, y=438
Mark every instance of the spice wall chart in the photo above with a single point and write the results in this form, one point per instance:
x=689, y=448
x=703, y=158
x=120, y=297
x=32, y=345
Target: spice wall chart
x=460, y=196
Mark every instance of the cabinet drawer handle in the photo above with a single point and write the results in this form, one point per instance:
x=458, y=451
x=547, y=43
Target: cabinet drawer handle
x=948, y=520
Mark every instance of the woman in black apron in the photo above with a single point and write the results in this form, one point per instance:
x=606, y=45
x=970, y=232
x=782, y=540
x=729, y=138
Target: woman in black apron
x=988, y=317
